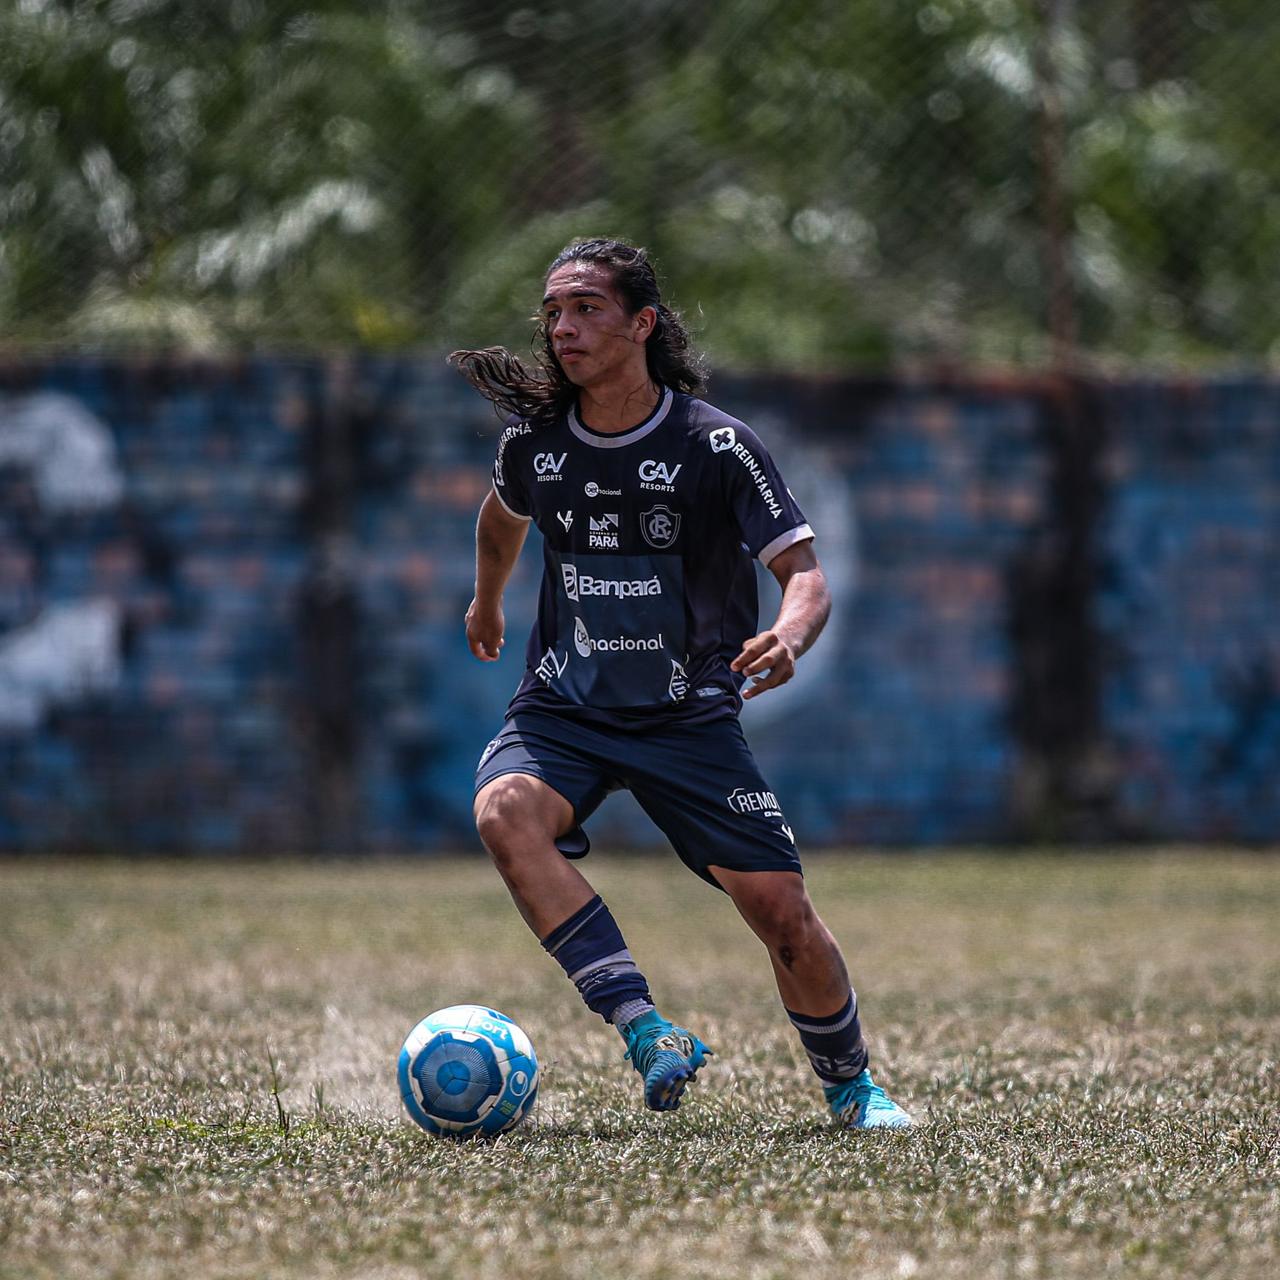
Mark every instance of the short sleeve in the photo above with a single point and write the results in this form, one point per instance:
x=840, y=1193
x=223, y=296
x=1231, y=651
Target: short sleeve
x=508, y=480
x=768, y=517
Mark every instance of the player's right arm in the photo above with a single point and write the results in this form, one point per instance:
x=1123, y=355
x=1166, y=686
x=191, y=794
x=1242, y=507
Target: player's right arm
x=499, y=537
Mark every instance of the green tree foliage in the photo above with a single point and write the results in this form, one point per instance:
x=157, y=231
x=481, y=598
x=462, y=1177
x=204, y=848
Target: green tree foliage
x=826, y=185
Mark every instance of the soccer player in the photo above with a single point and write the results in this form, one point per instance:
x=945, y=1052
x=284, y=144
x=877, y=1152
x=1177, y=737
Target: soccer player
x=651, y=504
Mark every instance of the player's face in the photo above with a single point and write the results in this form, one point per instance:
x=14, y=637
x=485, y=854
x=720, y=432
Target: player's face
x=593, y=337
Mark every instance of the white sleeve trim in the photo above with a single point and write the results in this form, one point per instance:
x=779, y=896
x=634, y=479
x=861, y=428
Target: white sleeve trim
x=784, y=540
x=506, y=508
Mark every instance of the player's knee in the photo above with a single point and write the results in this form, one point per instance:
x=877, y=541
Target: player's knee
x=508, y=819
x=785, y=917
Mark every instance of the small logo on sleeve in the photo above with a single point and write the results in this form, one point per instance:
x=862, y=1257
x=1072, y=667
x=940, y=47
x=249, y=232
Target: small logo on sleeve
x=723, y=438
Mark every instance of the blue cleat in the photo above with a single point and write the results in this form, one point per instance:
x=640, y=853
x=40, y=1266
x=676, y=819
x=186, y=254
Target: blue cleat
x=860, y=1103
x=666, y=1056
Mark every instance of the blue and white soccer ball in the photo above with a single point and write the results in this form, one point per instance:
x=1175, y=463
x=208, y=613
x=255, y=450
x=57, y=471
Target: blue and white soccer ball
x=467, y=1070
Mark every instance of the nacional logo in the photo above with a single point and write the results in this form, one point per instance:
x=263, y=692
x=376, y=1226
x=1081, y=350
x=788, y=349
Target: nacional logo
x=583, y=584
x=722, y=439
x=660, y=526
x=581, y=640
x=764, y=803
x=603, y=535
x=593, y=490
x=659, y=475
x=547, y=465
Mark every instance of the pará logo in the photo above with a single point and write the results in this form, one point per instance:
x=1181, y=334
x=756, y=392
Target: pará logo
x=603, y=535
x=547, y=465
x=722, y=439
x=658, y=475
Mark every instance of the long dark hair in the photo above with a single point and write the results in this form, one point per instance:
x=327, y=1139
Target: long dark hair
x=540, y=394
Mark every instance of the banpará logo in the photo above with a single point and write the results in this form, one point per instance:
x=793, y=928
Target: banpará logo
x=764, y=803
x=593, y=490
x=583, y=584
x=722, y=439
x=659, y=475
x=547, y=465
x=660, y=526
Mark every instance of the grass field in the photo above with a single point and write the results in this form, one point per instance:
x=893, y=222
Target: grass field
x=1090, y=1043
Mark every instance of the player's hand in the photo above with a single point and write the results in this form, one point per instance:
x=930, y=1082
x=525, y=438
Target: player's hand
x=485, y=629
x=767, y=652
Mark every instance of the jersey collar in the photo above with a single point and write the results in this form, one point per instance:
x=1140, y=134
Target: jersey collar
x=598, y=441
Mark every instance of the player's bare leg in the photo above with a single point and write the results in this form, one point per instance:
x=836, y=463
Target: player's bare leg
x=519, y=818
x=814, y=984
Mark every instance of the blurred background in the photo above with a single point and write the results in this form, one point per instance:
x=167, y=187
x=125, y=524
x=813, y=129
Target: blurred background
x=994, y=278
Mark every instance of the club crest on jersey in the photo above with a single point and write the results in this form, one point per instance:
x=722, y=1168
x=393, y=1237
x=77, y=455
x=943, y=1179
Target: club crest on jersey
x=722, y=439
x=660, y=526
x=603, y=535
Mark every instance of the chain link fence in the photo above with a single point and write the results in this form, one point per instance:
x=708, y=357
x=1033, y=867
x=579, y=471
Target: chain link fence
x=827, y=186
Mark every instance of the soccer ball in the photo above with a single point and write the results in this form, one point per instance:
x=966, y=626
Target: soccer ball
x=467, y=1070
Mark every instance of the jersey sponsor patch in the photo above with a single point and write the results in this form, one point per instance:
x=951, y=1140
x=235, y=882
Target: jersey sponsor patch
x=577, y=585
x=603, y=534
x=659, y=475
x=660, y=526
x=723, y=438
x=548, y=465
x=765, y=803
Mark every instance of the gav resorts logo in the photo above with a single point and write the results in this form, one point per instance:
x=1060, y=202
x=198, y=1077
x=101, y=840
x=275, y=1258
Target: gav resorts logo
x=603, y=535
x=660, y=526
x=659, y=475
x=547, y=465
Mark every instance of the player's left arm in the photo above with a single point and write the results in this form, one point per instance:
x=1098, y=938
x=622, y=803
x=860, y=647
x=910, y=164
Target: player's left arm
x=806, y=605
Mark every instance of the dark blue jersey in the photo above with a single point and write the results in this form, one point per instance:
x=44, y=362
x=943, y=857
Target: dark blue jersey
x=649, y=590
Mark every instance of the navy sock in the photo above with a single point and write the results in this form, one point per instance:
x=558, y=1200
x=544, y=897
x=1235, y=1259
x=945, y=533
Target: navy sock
x=590, y=949
x=834, y=1044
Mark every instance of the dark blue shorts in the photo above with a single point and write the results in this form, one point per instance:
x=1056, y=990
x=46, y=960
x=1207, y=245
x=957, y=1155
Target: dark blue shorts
x=699, y=784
